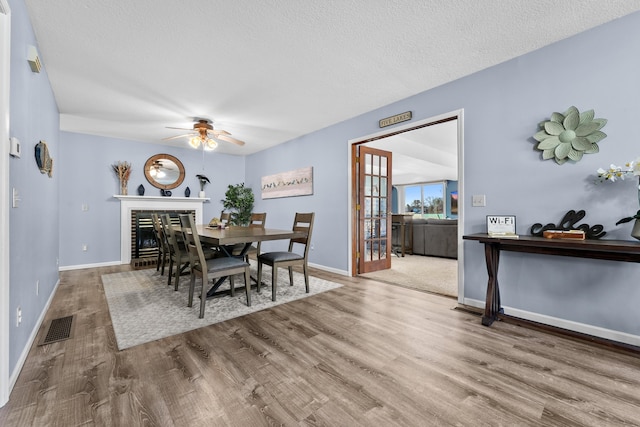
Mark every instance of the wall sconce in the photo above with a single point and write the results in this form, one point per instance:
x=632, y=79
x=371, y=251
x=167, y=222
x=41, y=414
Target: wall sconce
x=33, y=59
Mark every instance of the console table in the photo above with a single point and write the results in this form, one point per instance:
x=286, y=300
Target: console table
x=612, y=250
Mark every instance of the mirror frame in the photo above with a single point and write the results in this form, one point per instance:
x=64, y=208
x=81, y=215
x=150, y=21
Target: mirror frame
x=152, y=181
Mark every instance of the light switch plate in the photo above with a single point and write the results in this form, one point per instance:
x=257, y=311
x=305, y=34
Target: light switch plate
x=478, y=200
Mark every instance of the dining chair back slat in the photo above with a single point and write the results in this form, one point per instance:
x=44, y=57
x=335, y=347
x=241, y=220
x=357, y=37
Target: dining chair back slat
x=177, y=252
x=161, y=243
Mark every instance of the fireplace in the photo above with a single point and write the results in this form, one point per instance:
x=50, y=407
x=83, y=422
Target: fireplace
x=129, y=205
x=144, y=248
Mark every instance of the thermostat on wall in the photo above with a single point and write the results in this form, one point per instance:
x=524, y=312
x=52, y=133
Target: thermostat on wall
x=14, y=149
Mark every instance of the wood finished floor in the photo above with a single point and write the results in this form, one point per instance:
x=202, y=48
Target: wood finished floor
x=368, y=354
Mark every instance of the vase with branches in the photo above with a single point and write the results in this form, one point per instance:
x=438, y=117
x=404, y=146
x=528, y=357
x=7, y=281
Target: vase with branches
x=123, y=172
x=203, y=180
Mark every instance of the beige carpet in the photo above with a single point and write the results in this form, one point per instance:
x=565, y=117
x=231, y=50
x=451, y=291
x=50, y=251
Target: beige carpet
x=430, y=274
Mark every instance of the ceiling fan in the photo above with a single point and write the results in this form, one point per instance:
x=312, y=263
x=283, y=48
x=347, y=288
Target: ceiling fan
x=204, y=133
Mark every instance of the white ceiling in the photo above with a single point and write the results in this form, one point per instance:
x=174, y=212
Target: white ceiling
x=272, y=70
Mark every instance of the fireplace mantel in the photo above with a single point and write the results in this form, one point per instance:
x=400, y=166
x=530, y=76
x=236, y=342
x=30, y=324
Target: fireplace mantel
x=151, y=203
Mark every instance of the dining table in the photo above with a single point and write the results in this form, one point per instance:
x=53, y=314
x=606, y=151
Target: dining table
x=229, y=238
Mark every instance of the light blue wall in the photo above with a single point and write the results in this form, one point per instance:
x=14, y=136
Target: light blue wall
x=33, y=236
x=86, y=177
x=502, y=105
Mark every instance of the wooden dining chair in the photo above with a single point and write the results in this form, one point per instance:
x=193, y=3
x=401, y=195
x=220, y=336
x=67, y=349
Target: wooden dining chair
x=212, y=268
x=302, y=222
x=177, y=251
x=257, y=220
x=161, y=242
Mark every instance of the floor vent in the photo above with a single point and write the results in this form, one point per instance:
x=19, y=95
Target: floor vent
x=58, y=330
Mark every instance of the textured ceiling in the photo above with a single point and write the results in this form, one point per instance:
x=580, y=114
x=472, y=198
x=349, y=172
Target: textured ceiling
x=269, y=71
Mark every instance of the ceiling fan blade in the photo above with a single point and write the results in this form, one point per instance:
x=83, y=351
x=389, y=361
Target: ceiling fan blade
x=217, y=132
x=171, y=127
x=177, y=136
x=230, y=139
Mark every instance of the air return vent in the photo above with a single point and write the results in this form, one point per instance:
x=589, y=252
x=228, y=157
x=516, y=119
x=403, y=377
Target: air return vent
x=58, y=330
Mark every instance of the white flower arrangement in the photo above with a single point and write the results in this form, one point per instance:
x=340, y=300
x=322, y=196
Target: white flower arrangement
x=615, y=173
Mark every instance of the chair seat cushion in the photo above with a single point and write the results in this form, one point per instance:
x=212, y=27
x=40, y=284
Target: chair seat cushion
x=218, y=264
x=279, y=256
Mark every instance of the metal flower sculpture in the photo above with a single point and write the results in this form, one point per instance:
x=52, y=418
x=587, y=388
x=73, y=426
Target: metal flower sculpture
x=570, y=135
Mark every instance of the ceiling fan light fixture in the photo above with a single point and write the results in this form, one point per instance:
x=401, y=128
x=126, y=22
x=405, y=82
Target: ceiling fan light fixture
x=194, y=141
x=210, y=144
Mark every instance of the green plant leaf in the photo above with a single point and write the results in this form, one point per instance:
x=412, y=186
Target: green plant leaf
x=548, y=154
x=600, y=122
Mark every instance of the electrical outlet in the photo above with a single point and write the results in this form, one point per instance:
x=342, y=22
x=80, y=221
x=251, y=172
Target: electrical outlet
x=85, y=207
x=312, y=247
x=18, y=316
x=84, y=247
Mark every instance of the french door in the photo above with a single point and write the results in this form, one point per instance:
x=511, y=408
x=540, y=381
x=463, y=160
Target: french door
x=373, y=209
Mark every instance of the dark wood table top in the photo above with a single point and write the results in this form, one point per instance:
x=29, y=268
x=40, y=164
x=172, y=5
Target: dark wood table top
x=234, y=235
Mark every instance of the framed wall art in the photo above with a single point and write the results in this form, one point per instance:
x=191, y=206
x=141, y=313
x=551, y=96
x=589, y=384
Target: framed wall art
x=293, y=183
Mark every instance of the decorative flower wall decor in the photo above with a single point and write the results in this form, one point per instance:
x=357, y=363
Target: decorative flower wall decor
x=570, y=135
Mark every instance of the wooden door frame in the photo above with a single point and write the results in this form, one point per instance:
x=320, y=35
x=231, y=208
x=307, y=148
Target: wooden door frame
x=353, y=215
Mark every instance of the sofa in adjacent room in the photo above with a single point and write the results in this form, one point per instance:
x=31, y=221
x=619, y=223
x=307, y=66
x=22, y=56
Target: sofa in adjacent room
x=435, y=237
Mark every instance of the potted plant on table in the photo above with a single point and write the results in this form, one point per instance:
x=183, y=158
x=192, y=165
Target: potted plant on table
x=239, y=200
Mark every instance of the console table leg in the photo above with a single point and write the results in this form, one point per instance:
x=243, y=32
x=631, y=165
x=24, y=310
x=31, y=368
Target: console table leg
x=492, y=305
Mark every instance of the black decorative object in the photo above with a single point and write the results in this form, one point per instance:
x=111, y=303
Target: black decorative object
x=569, y=223
x=43, y=159
x=187, y=192
x=141, y=190
x=165, y=193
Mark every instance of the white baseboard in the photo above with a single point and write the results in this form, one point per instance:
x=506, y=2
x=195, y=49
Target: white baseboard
x=98, y=264
x=330, y=270
x=25, y=351
x=570, y=325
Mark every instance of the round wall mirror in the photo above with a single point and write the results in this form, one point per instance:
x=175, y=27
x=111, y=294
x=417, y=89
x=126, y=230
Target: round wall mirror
x=164, y=171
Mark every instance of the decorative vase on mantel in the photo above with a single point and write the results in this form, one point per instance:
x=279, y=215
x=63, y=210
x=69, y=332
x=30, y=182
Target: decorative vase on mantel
x=123, y=188
x=201, y=194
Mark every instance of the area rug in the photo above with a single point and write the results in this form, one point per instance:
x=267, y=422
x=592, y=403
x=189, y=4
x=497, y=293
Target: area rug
x=430, y=274
x=143, y=308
